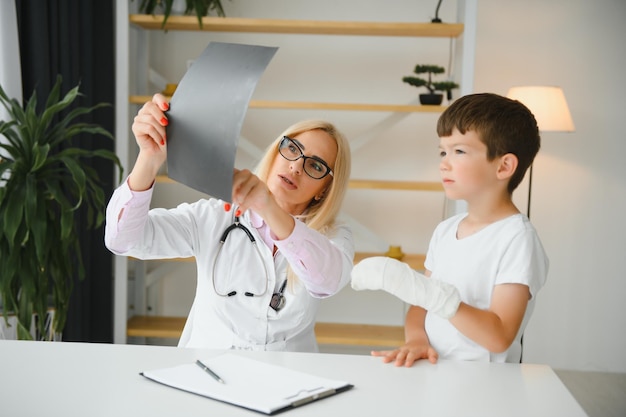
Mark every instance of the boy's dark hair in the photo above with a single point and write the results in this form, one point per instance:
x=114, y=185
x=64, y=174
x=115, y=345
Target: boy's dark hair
x=504, y=125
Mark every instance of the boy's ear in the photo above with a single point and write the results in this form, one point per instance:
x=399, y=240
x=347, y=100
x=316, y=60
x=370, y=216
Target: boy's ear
x=507, y=167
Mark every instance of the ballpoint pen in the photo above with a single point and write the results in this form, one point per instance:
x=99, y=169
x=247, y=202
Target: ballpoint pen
x=210, y=372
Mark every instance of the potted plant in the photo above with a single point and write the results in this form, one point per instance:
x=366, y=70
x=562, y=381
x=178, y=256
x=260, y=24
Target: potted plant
x=432, y=98
x=200, y=8
x=44, y=179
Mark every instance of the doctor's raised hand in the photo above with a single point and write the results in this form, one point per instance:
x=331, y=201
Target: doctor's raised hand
x=265, y=259
x=149, y=128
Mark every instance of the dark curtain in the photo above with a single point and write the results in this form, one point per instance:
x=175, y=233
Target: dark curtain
x=76, y=39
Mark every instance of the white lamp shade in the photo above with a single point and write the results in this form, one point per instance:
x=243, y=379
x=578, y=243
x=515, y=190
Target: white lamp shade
x=547, y=104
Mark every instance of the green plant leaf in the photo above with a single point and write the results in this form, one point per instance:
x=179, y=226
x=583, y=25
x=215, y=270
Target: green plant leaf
x=433, y=69
x=111, y=156
x=200, y=8
x=12, y=216
x=78, y=175
x=22, y=332
x=414, y=81
x=16, y=145
x=67, y=224
x=30, y=202
x=40, y=154
x=50, y=112
x=148, y=6
x=12, y=106
x=430, y=85
x=39, y=231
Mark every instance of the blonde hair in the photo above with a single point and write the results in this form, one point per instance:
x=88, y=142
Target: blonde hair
x=319, y=215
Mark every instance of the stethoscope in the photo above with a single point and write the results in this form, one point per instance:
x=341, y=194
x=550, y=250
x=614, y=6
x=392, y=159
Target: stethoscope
x=278, y=299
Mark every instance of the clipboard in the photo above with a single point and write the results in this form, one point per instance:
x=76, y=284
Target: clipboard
x=249, y=383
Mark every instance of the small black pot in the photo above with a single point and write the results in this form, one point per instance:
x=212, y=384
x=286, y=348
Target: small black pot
x=431, y=99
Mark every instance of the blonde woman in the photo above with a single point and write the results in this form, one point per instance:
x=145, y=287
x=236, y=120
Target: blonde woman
x=264, y=261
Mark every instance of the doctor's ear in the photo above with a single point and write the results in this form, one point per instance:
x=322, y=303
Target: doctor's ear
x=320, y=196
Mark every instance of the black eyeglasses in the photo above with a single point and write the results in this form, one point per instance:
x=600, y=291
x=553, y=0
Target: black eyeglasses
x=313, y=166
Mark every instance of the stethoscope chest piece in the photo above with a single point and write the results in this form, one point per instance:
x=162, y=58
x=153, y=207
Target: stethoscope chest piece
x=278, y=299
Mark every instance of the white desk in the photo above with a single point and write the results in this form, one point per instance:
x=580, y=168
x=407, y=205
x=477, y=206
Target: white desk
x=81, y=379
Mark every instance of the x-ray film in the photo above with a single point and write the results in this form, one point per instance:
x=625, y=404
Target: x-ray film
x=207, y=112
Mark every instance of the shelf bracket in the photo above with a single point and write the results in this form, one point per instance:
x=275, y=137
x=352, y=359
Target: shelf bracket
x=380, y=127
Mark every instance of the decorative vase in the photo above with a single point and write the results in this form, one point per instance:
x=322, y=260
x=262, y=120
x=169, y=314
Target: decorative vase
x=431, y=99
x=179, y=6
x=395, y=252
x=8, y=328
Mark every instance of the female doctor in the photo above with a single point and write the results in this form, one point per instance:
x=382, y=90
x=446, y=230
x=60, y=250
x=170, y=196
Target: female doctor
x=264, y=261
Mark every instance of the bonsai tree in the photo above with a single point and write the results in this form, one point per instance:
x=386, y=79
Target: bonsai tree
x=431, y=86
x=200, y=8
x=44, y=179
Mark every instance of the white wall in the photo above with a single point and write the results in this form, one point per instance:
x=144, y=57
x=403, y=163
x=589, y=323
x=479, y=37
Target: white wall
x=579, y=190
x=579, y=194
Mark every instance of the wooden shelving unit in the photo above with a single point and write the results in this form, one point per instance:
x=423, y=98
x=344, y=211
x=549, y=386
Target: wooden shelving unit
x=396, y=185
x=364, y=184
x=416, y=261
x=301, y=27
x=301, y=105
x=327, y=333
x=281, y=26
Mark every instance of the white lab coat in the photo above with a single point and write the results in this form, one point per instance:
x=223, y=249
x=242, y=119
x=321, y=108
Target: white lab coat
x=239, y=321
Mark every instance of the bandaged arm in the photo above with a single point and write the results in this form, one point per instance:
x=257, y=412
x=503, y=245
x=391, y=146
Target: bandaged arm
x=397, y=278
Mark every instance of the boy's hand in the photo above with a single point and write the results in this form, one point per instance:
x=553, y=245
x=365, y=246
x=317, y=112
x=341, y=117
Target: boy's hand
x=408, y=354
x=397, y=278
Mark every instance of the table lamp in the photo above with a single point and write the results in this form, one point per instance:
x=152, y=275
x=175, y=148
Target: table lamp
x=550, y=109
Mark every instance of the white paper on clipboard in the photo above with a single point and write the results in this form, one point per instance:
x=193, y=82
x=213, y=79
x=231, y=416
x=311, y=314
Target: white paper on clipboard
x=249, y=383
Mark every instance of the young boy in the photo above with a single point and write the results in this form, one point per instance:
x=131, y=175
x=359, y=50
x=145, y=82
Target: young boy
x=484, y=267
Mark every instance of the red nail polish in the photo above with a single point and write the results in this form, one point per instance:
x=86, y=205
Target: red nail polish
x=226, y=206
x=166, y=106
x=162, y=142
x=238, y=213
x=164, y=121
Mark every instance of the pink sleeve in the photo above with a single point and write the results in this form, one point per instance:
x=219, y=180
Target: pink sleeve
x=126, y=216
x=322, y=263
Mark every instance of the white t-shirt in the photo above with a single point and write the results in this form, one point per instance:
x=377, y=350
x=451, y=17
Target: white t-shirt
x=507, y=251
